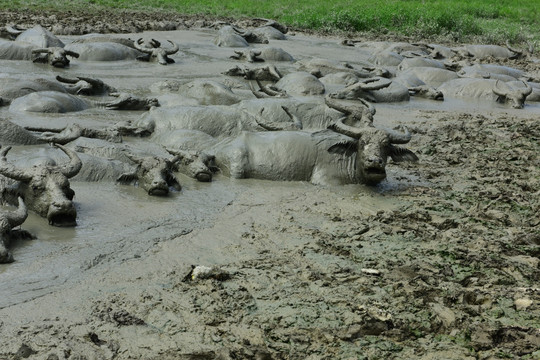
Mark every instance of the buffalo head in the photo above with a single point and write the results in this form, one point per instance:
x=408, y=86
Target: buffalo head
x=515, y=96
x=125, y=101
x=373, y=147
x=45, y=187
x=85, y=86
x=153, y=174
x=55, y=56
x=157, y=53
x=9, y=220
x=195, y=164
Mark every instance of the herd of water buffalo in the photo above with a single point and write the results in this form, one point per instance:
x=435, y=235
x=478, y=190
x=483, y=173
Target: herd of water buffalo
x=314, y=123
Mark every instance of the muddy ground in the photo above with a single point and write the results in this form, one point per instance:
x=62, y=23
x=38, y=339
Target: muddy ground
x=440, y=261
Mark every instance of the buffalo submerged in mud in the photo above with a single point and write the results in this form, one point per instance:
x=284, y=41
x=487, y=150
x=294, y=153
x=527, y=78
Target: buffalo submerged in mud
x=291, y=251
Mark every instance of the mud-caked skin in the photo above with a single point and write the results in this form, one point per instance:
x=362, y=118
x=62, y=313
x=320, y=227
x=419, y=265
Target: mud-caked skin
x=513, y=93
x=153, y=174
x=156, y=53
x=196, y=164
x=325, y=157
x=85, y=86
x=45, y=187
x=55, y=56
x=8, y=221
x=125, y=101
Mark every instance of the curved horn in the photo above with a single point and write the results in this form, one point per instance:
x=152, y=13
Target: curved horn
x=399, y=138
x=41, y=51
x=348, y=109
x=66, y=80
x=95, y=82
x=155, y=43
x=375, y=83
x=10, y=171
x=13, y=31
x=17, y=217
x=137, y=45
x=528, y=89
x=257, y=94
x=174, y=49
x=341, y=128
x=368, y=105
x=75, y=164
x=518, y=52
x=498, y=90
x=72, y=53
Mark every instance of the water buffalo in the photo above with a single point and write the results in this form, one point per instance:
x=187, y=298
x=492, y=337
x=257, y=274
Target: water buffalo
x=103, y=51
x=13, y=134
x=40, y=37
x=228, y=37
x=59, y=102
x=264, y=54
x=376, y=89
x=8, y=221
x=262, y=73
x=487, y=89
x=153, y=174
x=156, y=53
x=55, y=56
x=325, y=157
x=44, y=187
x=83, y=85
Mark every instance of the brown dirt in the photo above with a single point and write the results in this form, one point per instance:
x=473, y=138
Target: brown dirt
x=446, y=267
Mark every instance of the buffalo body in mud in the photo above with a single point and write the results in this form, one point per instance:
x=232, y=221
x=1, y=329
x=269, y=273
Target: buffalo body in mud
x=513, y=93
x=59, y=102
x=8, y=221
x=44, y=187
x=358, y=155
x=39, y=45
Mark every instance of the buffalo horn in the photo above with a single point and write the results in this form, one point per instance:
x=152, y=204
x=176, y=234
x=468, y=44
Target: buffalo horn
x=75, y=164
x=528, y=89
x=137, y=45
x=10, y=171
x=518, y=52
x=66, y=80
x=72, y=53
x=174, y=48
x=17, y=217
x=399, y=138
x=498, y=90
x=90, y=80
x=13, y=31
x=375, y=84
x=340, y=127
x=41, y=51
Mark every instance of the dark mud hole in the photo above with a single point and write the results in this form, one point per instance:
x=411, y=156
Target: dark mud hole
x=442, y=268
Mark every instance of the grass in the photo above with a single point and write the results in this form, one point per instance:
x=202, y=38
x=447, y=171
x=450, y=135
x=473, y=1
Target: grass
x=457, y=20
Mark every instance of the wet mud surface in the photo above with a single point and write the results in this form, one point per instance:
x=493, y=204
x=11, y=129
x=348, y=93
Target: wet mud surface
x=439, y=261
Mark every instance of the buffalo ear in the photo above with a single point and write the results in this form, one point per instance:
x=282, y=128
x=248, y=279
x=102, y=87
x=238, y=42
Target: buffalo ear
x=347, y=148
x=399, y=154
x=127, y=178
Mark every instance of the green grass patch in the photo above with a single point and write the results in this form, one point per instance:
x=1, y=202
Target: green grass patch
x=458, y=20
